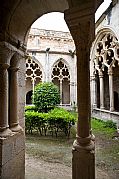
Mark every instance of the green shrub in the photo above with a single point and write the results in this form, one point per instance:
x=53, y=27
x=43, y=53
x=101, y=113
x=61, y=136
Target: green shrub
x=56, y=120
x=30, y=108
x=35, y=121
x=46, y=96
x=110, y=124
x=61, y=119
x=104, y=124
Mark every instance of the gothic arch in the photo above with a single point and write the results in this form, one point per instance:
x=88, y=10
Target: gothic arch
x=61, y=77
x=34, y=73
x=100, y=33
x=64, y=61
x=105, y=64
x=41, y=67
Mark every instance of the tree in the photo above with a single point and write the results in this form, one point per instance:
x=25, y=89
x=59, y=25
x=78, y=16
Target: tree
x=46, y=96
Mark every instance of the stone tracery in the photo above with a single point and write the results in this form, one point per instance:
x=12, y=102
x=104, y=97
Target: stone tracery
x=105, y=60
x=33, y=74
x=61, y=77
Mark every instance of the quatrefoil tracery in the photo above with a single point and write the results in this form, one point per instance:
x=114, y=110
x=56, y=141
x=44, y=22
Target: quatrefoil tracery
x=33, y=70
x=107, y=52
x=60, y=71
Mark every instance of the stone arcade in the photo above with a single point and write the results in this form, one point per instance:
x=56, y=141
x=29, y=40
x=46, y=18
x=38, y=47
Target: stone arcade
x=16, y=17
x=104, y=68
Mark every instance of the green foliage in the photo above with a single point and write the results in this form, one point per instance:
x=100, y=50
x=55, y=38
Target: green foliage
x=56, y=120
x=46, y=96
x=110, y=124
x=30, y=108
x=106, y=127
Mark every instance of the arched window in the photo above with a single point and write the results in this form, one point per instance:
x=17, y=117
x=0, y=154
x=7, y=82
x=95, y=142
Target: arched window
x=61, y=78
x=33, y=74
x=29, y=97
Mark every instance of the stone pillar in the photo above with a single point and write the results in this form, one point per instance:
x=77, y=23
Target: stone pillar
x=101, y=77
x=5, y=55
x=47, y=64
x=72, y=90
x=81, y=23
x=33, y=83
x=110, y=73
x=13, y=93
x=94, y=91
x=61, y=92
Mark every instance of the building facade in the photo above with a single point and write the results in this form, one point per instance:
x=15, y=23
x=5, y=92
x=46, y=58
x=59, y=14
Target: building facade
x=51, y=58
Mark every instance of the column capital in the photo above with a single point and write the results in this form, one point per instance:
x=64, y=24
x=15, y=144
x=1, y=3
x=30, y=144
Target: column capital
x=6, y=52
x=81, y=20
x=93, y=77
x=110, y=71
x=14, y=62
x=101, y=75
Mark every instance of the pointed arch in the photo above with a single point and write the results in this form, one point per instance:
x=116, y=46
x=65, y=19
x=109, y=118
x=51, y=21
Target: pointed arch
x=105, y=65
x=34, y=74
x=61, y=77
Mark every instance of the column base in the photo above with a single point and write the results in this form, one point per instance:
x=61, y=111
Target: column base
x=16, y=128
x=94, y=105
x=111, y=109
x=83, y=161
x=102, y=107
x=5, y=132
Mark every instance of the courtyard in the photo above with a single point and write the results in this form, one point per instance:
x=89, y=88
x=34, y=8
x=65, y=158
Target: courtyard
x=50, y=157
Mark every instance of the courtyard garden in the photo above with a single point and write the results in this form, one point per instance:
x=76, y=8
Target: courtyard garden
x=50, y=157
x=50, y=132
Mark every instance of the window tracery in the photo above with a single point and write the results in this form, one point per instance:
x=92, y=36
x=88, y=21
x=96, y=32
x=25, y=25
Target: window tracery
x=107, y=52
x=106, y=65
x=33, y=70
x=61, y=77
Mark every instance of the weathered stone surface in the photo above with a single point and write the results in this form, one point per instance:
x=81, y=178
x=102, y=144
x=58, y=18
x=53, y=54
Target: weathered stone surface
x=12, y=157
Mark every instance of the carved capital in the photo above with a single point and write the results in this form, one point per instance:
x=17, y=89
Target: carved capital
x=81, y=23
x=6, y=52
x=93, y=77
x=101, y=74
x=110, y=71
x=14, y=63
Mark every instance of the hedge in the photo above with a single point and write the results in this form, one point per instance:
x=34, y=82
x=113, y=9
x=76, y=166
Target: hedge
x=52, y=122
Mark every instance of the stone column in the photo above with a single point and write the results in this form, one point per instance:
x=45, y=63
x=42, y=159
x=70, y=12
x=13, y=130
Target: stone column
x=81, y=23
x=5, y=55
x=13, y=93
x=61, y=92
x=72, y=90
x=94, y=91
x=101, y=77
x=33, y=89
x=111, y=93
x=47, y=64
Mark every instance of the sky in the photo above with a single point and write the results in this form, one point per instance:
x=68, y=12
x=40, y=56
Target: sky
x=55, y=20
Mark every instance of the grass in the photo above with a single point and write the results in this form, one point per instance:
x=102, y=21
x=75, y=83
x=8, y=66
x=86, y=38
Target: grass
x=108, y=128
x=107, y=147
